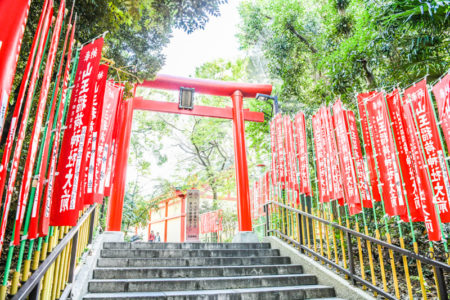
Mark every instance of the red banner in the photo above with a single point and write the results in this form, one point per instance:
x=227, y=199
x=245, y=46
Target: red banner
x=273, y=145
x=363, y=185
x=110, y=103
x=441, y=91
x=280, y=151
x=39, y=183
x=336, y=177
x=404, y=156
x=65, y=203
x=211, y=222
x=291, y=163
x=12, y=129
x=362, y=99
x=345, y=157
x=34, y=143
x=392, y=190
x=112, y=155
x=425, y=189
x=94, y=129
x=13, y=18
x=418, y=96
x=319, y=146
x=302, y=154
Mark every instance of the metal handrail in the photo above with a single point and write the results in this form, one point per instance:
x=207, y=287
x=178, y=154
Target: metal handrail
x=405, y=252
x=440, y=267
x=31, y=286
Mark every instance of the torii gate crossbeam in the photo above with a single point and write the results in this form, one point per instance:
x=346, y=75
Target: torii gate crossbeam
x=237, y=91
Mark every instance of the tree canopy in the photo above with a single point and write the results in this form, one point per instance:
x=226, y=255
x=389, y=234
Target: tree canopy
x=329, y=48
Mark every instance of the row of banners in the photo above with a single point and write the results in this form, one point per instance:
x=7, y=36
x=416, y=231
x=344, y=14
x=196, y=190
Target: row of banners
x=211, y=221
x=69, y=165
x=404, y=165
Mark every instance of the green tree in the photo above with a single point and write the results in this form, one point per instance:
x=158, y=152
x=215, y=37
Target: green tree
x=326, y=49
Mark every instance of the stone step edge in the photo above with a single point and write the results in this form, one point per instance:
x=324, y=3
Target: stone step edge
x=190, y=258
x=195, y=267
x=171, y=243
x=199, y=278
x=191, y=250
x=128, y=295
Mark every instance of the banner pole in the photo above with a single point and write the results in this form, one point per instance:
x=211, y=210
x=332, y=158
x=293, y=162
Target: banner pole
x=446, y=248
x=11, y=248
x=377, y=230
x=388, y=235
x=431, y=246
x=303, y=221
x=366, y=230
x=360, y=254
x=38, y=168
x=398, y=220
x=341, y=234
x=319, y=211
x=330, y=204
x=277, y=191
x=287, y=190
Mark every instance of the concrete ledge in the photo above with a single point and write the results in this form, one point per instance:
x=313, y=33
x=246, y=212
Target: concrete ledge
x=245, y=237
x=325, y=276
x=84, y=271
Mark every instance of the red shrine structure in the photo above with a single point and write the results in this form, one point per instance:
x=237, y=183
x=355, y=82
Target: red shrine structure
x=236, y=91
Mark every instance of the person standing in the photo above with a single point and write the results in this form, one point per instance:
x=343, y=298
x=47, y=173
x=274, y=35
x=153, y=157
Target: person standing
x=157, y=238
x=151, y=237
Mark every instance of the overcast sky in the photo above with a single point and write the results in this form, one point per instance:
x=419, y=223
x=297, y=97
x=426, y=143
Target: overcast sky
x=188, y=51
x=184, y=53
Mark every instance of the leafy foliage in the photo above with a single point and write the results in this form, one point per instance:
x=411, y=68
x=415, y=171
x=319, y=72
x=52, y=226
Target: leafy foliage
x=325, y=49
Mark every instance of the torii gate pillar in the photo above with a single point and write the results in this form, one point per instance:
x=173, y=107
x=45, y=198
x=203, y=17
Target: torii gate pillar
x=240, y=161
x=237, y=91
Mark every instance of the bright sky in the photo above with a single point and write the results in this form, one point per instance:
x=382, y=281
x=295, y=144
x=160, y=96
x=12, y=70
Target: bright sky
x=184, y=53
x=188, y=51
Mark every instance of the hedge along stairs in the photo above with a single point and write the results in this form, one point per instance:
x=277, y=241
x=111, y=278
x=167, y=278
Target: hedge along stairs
x=200, y=271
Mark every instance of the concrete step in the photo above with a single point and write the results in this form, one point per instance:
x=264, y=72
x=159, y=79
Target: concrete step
x=206, y=246
x=197, y=283
x=181, y=253
x=193, y=261
x=183, y=272
x=265, y=293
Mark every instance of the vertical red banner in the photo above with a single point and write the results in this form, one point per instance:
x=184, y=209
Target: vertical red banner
x=373, y=178
x=302, y=154
x=425, y=189
x=441, y=91
x=363, y=185
x=65, y=202
x=94, y=128
x=345, y=157
x=319, y=146
x=280, y=150
x=404, y=156
x=46, y=20
x=37, y=126
x=419, y=98
x=334, y=160
x=33, y=227
x=273, y=148
x=389, y=170
x=104, y=161
x=13, y=18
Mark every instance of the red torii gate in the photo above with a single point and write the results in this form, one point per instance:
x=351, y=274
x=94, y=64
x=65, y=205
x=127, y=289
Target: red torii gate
x=237, y=91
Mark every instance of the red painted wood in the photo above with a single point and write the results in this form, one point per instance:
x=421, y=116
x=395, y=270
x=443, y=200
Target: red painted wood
x=116, y=202
x=207, y=86
x=202, y=111
x=243, y=191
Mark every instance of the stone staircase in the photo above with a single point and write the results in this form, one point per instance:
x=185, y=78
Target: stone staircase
x=199, y=271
